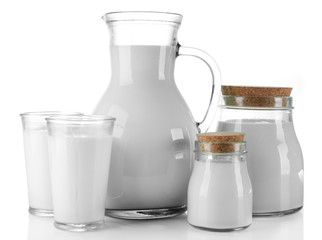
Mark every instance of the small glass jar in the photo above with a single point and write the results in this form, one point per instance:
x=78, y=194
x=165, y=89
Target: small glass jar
x=220, y=192
x=275, y=162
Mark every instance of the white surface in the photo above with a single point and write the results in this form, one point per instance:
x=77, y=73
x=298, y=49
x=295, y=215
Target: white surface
x=290, y=227
x=54, y=55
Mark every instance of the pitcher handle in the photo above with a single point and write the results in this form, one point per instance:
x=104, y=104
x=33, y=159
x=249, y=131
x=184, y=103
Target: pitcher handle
x=204, y=125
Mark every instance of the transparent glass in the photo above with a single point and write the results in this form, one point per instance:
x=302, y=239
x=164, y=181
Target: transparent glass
x=220, y=192
x=155, y=131
x=37, y=163
x=80, y=151
x=275, y=161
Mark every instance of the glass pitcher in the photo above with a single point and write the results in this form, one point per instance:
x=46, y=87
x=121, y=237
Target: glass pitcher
x=155, y=132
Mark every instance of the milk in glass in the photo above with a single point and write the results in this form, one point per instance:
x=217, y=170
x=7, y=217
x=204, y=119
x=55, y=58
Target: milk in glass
x=80, y=153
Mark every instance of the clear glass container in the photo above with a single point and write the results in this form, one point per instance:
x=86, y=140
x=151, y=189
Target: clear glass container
x=79, y=154
x=220, y=192
x=37, y=161
x=154, y=133
x=275, y=161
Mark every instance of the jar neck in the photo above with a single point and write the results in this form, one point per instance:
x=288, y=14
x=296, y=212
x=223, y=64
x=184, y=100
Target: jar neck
x=221, y=158
x=226, y=114
x=220, y=151
x=257, y=102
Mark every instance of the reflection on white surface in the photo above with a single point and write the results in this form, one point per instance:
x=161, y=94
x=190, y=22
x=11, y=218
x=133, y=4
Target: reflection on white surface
x=177, y=134
x=271, y=228
x=283, y=228
x=40, y=228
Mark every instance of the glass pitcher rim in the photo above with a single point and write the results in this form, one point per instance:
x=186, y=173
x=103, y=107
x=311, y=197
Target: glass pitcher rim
x=148, y=16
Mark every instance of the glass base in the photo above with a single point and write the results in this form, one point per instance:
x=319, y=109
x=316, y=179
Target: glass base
x=80, y=227
x=146, y=213
x=41, y=212
x=221, y=229
x=277, y=214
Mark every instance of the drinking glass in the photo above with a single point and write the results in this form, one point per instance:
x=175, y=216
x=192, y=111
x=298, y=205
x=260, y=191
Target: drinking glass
x=80, y=150
x=37, y=163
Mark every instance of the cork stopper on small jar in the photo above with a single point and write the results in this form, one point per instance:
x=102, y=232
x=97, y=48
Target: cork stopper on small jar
x=220, y=142
x=252, y=96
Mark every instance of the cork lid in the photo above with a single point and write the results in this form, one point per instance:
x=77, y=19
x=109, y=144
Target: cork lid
x=220, y=142
x=253, y=96
x=253, y=91
x=221, y=137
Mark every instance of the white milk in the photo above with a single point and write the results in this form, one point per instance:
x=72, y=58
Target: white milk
x=220, y=195
x=79, y=173
x=274, y=163
x=37, y=163
x=154, y=132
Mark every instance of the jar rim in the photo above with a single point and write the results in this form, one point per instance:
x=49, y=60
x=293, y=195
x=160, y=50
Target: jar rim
x=256, y=102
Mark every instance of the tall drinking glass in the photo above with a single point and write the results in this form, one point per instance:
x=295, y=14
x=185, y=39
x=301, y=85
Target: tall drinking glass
x=80, y=151
x=37, y=163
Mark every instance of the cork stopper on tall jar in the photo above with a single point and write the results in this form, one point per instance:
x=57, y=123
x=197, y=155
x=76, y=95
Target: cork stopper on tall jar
x=220, y=142
x=254, y=96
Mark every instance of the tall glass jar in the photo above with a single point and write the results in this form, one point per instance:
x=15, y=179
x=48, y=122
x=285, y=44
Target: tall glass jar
x=275, y=161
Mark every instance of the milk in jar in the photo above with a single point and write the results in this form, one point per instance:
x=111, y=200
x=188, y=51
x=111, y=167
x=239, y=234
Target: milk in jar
x=220, y=192
x=275, y=160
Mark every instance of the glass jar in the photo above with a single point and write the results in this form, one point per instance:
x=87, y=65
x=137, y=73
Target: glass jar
x=220, y=192
x=275, y=162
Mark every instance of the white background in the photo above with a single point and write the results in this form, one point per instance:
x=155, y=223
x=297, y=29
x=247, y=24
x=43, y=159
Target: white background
x=54, y=56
